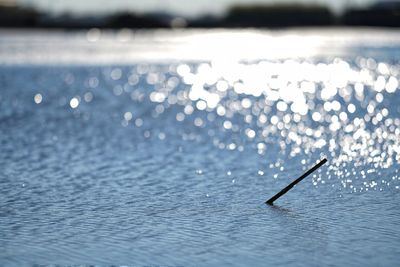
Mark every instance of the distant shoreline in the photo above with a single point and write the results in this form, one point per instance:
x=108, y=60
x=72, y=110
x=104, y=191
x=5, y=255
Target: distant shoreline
x=382, y=14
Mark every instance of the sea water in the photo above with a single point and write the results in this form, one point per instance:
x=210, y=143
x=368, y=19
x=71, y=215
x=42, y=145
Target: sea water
x=159, y=148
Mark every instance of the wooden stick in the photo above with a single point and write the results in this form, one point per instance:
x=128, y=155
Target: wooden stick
x=287, y=188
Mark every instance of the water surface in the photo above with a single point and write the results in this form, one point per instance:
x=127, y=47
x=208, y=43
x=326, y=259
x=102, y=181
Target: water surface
x=167, y=160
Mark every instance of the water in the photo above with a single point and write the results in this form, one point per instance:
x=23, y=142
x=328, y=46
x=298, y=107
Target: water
x=165, y=156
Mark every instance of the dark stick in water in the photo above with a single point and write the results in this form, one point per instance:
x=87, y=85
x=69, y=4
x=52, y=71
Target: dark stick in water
x=287, y=188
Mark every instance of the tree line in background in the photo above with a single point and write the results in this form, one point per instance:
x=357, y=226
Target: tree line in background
x=383, y=14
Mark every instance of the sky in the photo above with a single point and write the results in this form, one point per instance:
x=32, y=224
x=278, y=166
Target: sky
x=180, y=7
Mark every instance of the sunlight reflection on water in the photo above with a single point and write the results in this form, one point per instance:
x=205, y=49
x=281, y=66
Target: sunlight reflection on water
x=346, y=111
x=305, y=107
x=165, y=46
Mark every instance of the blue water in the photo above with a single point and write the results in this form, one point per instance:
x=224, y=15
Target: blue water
x=169, y=164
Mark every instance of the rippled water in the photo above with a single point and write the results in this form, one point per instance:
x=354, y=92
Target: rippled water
x=170, y=163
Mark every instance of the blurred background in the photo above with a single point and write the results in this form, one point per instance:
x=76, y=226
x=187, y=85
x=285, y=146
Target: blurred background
x=152, y=132
x=207, y=13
